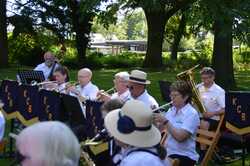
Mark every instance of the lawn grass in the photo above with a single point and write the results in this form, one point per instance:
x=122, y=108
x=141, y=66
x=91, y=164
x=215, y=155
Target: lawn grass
x=103, y=78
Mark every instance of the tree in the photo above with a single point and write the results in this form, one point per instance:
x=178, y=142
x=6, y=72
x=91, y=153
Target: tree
x=64, y=17
x=157, y=14
x=177, y=36
x=3, y=35
x=224, y=18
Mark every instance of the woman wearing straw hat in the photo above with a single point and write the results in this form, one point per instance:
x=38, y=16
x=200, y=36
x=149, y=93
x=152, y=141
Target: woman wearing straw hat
x=132, y=128
x=181, y=122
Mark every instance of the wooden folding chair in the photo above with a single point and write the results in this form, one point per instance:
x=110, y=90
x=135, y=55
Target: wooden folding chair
x=209, y=138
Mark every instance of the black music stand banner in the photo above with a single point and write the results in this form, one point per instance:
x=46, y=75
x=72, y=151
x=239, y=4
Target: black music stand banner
x=72, y=111
x=28, y=104
x=238, y=112
x=50, y=105
x=94, y=117
x=9, y=96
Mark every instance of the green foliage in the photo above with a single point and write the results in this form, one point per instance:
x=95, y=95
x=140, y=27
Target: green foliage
x=24, y=50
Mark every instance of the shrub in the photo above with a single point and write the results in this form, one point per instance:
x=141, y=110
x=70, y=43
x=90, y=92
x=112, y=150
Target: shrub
x=24, y=50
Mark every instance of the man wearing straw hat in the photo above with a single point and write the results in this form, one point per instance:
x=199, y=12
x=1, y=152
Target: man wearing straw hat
x=132, y=128
x=137, y=87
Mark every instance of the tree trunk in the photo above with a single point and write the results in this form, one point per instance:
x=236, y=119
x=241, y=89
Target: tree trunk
x=156, y=21
x=3, y=35
x=81, y=26
x=177, y=37
x=222, y=60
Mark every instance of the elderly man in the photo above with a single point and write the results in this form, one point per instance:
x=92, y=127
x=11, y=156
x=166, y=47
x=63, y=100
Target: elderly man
x=137, y=86
x=86, y=88
x=48, y=66
x=213, y=97
x=121, y=86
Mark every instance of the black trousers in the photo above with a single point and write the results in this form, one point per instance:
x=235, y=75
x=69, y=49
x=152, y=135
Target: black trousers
x=184, y=160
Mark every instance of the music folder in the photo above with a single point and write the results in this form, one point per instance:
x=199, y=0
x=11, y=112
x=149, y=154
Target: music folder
x=72, y=111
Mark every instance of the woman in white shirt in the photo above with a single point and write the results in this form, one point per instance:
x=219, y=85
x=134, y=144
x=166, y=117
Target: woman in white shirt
x=181, y=122
x=132, y=128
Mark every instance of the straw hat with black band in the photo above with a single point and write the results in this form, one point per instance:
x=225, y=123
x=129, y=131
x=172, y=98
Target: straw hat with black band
x=139, y=77
x=132, y=125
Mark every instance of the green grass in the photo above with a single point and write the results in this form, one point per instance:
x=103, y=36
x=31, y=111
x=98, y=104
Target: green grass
x=104, y=80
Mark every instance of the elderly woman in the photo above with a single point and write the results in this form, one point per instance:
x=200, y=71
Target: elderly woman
x=132, y=128
x=181, y=122
x=48, y=144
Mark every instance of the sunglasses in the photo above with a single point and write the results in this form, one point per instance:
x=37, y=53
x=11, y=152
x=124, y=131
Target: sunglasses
x=131, y=87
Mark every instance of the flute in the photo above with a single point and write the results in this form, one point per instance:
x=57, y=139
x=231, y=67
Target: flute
x=158, y=110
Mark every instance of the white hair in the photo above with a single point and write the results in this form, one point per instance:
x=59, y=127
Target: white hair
x=86, y=70
x=57, y=144
x=123, y=75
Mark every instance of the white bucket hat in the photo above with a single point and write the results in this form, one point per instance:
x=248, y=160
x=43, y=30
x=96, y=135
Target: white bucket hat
x=139, y=77
x=132, y=125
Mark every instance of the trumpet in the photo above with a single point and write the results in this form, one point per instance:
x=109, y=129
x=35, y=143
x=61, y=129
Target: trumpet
x=104, y=93
x=161, y=108
x=69, y=85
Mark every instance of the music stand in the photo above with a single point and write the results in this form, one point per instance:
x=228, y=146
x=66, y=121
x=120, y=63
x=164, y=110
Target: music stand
x=26, y=77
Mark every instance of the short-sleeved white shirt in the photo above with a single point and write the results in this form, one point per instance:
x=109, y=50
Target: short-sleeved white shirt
x=213, y=98
x=2, y=125
x=187, y=118
x=124, y=96
x=45, y=69
x=89, y=91
x=147, y=100
x=141, y=158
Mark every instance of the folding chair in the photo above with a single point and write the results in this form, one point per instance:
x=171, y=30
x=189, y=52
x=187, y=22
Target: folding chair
x=209, y=138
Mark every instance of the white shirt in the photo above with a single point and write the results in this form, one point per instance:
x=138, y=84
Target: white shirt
x=124, y=96
x=187, y=118
x=89, y=91
x=45, y=69
x=140, y=158
x=2, y=125
x=213, y=98
x=147, y=99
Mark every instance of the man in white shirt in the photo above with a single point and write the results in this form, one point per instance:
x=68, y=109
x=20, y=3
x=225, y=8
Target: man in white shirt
x=137, y=87
x=48, y=66
x=121, y=86
x=86, y=88
x=213, y=97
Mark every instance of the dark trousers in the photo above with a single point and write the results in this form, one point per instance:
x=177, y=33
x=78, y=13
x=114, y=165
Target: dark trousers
x=184, y=160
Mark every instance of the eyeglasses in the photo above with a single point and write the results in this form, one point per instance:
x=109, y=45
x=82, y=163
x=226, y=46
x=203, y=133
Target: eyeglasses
x=174, y=95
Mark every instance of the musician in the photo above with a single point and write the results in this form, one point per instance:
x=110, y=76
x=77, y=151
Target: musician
x=132, y=128
x=48, y=66
x=213, y=97
x=61, y=75
x=47, y=144
x=86, y=88
x=121, y=86
x=181, y=122
x=137, y=86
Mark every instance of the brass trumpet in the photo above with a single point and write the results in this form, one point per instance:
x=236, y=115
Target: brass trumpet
x=104, y=93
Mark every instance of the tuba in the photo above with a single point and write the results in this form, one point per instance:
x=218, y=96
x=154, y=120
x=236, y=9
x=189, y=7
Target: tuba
x=189, y=78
